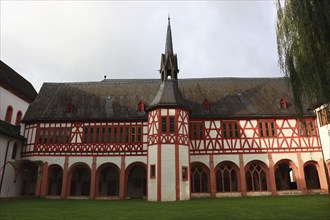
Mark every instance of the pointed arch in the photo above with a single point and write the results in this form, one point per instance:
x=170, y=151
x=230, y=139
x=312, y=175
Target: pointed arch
x=227, y=178
x=55, y=176
x=285, y=175
x=256, y=173
x=107, y=180
x=79, y=179
x=136, y=180
x=200, y=178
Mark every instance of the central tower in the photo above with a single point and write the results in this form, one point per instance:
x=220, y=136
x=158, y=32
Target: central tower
x=168, y=134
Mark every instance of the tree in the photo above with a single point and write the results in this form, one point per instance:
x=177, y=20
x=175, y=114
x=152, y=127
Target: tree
x=303, y=43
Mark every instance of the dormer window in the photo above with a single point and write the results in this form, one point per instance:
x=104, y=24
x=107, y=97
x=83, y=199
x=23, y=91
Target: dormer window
x=140, y=107
x=206, y=105
x=283, y=103
x=69, y=108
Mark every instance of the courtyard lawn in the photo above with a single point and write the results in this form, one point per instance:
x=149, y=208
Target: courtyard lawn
x=280, y=207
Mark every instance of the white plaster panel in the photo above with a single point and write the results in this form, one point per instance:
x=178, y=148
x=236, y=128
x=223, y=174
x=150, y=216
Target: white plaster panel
x=114, y=160
x=316, y=156
x=132, y=159
x=200, y=158
x=168, y=173
x=184, y=161
x=213, y=133
x=250, y=157
x=207, y=124
x=171, y=112
x=7, y=98
x=290, y=156
x=75, y=159
x=324, y=132
x=152, y=183
x=227, y=157
x=163, y=112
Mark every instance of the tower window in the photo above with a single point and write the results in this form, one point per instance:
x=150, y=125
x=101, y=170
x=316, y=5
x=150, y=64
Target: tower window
x=18, y=118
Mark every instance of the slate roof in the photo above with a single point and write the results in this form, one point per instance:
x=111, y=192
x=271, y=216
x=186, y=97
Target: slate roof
x=10, y=130
x=114, y=99
x=11, y=80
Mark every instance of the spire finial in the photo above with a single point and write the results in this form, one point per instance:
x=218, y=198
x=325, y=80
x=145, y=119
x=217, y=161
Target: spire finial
x=168, y=18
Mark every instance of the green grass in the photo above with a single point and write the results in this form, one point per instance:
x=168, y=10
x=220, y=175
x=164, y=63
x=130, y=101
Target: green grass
x=280, y=207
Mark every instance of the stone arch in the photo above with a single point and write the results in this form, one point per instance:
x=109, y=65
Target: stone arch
x=79, y=179
x=54, y=181
x=227, y=177
x=311, y=171
x=286, y=174
x=136, y=180
x=257, y=176
x=200, y=178
x=27, y=175
x=107, y=180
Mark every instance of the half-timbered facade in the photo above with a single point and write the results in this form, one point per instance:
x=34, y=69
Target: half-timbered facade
x=172, y=139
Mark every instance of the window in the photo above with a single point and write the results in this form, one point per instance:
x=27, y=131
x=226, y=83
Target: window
x=133, y=134
x=9, y=114
x=230, y=129
x=199, y=178
x=18, y=118
x=163, y=124
x=184, y=173
x=256, y=179
x=69, y=108
x=196, y=130
x=267, y=129
x=171, y=124
x=168, y=124
x=139, y=139
x=226, y=177
x=53, y=135
x=306, y=128
x=324, y=116
x=152, y=171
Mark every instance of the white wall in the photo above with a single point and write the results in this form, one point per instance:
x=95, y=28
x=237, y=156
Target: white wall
x=7, y=98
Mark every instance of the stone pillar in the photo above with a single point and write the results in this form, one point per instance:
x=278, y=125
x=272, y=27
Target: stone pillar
x=44, y=183
x=242, y=175
x=323, y=177
x=65, y=178
x=301, y=176
x=272, y=175
x=122, y=178
x=213, y=185
x=93, y=177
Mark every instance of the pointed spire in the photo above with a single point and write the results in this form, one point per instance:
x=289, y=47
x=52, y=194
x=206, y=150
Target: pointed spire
x=168, y=44
x=169, y=61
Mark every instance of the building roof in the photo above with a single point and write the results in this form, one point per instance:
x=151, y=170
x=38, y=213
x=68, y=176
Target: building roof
x=114, y=99
x=10, y=130
x=15, y=83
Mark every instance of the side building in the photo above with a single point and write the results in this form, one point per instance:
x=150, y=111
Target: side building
x=171, y=139
x=16, y=93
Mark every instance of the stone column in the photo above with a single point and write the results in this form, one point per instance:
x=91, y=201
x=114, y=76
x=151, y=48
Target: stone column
x=122, y=178
x=272, y=175
x=65, y=178
x=93, y=177
x=44, y=182
x=242, y=175
x=213, y=185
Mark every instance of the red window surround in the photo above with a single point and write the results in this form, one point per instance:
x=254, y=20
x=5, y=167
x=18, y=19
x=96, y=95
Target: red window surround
x=206, y=105
x=152, y=171
x=9, y=114
x=18, y=118
x=283, y=103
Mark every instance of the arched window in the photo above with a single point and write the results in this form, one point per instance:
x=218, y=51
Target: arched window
x=226, y=177
x=199, y=178
x=256, y=179
x=9, y=114
x=18, y=118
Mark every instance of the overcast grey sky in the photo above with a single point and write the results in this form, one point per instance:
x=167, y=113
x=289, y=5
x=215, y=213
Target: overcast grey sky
x=69, y=41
